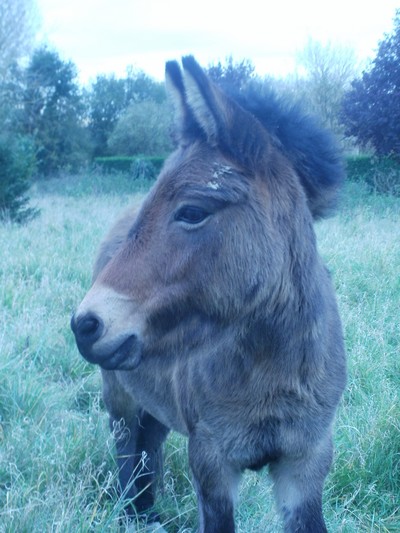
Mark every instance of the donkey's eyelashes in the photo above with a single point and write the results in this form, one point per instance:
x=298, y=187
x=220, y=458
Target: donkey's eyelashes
x=191, y=214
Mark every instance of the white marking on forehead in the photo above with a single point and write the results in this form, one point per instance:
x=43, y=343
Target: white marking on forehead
x=221, y=170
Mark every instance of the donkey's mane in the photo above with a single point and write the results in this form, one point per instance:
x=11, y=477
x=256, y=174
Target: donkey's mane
x=311, y=148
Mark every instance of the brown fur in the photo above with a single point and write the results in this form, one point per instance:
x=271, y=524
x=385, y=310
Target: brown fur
x=224, y=328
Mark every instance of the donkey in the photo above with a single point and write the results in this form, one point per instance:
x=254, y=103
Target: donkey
x=212, y=314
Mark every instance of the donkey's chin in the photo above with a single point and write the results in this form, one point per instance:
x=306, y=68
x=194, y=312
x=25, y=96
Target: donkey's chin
x=126, y=356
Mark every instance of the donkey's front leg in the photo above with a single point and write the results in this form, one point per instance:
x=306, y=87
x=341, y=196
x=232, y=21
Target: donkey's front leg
x=215, y=482
x=138, y=441
x=298, y=484
x=139, y=456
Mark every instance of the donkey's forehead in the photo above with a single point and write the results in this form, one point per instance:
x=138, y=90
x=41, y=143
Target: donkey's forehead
x=203, y=171
x=220, y=170
x=214, y=176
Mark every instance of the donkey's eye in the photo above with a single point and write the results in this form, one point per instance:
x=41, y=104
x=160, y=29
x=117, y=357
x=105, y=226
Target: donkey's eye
x=191, y=214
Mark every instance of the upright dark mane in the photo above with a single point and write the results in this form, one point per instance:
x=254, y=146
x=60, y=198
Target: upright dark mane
x=312, y=149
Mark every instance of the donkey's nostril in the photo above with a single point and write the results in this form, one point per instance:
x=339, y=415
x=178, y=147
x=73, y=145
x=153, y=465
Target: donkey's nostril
x=87, y=328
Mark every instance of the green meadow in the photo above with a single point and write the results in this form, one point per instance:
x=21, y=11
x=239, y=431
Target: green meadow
x=57, y=471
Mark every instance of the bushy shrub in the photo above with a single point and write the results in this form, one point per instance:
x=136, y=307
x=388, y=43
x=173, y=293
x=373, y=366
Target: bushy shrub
x=17, y=163
x=113, y=163
x=143, y=169
x=143, y=129
x=385, y=179
x=136, y=166
x=358, y=166
x=381, y=174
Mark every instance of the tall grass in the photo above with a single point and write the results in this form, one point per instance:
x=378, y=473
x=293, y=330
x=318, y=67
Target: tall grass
x=57, y=471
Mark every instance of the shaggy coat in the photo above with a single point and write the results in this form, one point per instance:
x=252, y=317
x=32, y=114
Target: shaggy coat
x=212, y=314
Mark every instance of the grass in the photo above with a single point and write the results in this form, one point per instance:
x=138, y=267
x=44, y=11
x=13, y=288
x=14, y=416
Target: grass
x=57, y=471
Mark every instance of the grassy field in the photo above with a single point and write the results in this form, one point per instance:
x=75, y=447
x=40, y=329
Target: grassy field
x=57, y=471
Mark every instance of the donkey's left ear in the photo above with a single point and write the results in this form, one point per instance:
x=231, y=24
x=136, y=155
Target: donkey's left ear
x=224, y=122
x=206, y=113
x=203, y=98
x=187, y=127
x=198, y=103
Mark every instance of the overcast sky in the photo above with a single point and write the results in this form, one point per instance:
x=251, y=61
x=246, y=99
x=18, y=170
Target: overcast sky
x=104, y=36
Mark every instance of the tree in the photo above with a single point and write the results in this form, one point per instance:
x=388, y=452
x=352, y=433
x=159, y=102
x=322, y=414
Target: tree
x=143, y=129
x=325, y=73
x=12, y=86
x=18, y=22
x=371, y=108
x=53, y=112
x=17, y=163
x=141, y=87
x=109, y=97
x=106, y=100
x=232, y=74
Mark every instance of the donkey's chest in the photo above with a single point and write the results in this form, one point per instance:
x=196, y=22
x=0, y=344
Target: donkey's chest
x=238, y=411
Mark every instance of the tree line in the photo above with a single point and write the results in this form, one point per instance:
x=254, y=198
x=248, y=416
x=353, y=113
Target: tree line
x=56, y=125
x=68, y=125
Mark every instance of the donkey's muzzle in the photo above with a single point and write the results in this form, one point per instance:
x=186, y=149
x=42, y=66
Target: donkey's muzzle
x=121, y=353
x=87, y=330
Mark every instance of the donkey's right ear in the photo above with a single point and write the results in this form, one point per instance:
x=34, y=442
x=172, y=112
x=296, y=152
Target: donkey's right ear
x=187, y=127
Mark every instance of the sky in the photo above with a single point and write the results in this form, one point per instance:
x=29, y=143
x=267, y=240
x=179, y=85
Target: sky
x=107, y=36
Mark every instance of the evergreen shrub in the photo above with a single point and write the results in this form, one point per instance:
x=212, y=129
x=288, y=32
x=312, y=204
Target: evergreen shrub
x=138, y=166
x=17, y=164
x=381, y=174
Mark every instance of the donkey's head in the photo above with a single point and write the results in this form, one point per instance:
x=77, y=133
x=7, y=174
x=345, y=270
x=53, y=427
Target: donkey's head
x=211, y=243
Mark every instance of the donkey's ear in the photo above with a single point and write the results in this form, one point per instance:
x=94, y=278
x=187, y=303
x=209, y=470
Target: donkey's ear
x=176, y=89
x=187, y=126
x=205, y=112
x=202, y=98
x=224, y=122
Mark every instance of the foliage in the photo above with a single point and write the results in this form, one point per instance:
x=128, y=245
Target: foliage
x=371, y=109
x=109, y=97
x=129, y=163
x=53, y=112
x=141, y=87
x=16, y=167
x=381, y=174
x=357, y=166
x=143, y=168
x=232, y=74
x=57, y=471
x=17, y=154
x=43, y=101
x=18, y=23
x=106, y=99
x=326, y=70
x=92, y=184
x=144, y=128
x=12, y=99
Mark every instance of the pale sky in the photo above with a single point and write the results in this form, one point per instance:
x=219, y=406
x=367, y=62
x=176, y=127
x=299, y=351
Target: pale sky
x=104, y=36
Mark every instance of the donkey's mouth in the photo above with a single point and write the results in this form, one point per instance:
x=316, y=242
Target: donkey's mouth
x=126, y=356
